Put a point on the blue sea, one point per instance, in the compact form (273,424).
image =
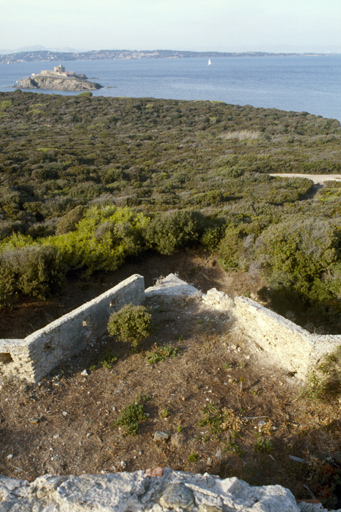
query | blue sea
(309,84)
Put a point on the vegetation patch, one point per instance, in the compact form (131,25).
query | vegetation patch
(263,444)
(131,416)
(105,186)
(161,353)
(108,360)
(193,457)
(219,420)
(324,381)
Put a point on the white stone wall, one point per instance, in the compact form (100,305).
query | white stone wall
(35,356)
(292,347)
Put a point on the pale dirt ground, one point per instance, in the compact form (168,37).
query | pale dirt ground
(67,423)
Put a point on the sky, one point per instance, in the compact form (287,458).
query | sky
(197,25)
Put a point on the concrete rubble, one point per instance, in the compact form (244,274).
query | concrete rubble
(137,492)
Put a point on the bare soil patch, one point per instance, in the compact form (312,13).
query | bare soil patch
(226,409)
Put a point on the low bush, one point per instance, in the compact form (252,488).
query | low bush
(219,420)
(231,247)
(102,239)
(301,262)
(35,271)
(193,457)
(108,360)
(169,232)
(131,324)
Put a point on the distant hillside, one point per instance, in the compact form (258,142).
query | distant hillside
(45,55)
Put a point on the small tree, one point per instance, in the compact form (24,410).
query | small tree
(131,324)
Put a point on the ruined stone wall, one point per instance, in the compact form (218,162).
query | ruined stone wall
(290,346)
(35,356)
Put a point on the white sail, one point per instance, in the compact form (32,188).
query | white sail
(209,62)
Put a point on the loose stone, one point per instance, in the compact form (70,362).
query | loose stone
(161,436)
(218,455)
(177,496)
(154,472)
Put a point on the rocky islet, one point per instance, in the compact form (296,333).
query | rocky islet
(58,79)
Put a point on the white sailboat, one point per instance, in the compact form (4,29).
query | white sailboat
(209,62)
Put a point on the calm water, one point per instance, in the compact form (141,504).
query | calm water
(310,84)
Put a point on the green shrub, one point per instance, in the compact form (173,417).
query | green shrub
(232,446)
(301,262)
(5,104)
(7,228)
(300,249)
(86,191)
(131,324)
(231,247)
(211,238)
(219,420)
(169,232)
(85,94)
(8,282)
(211,198)
(103,238)
(35,271)
(41,229)
(108,360)
(164,413)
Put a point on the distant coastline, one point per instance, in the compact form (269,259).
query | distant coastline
(45,55)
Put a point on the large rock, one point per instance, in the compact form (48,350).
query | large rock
(135,492)
(170,286)
(57,83)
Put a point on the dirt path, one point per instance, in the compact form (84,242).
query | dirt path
(318,179)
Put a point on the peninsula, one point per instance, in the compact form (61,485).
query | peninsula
(59,80)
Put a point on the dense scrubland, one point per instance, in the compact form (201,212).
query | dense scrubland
(87,183)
